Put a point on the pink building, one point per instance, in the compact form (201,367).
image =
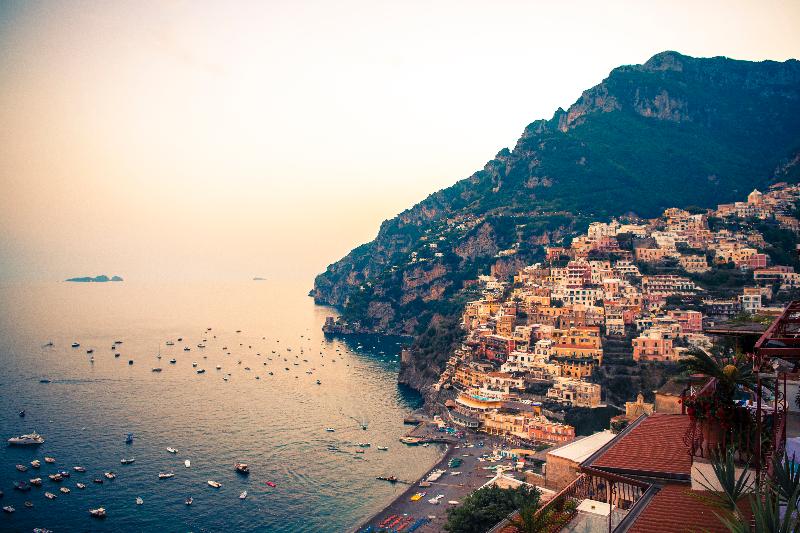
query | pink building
(690,321)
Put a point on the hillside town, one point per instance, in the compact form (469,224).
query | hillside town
(650,289)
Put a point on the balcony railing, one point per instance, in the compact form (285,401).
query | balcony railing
(621,493)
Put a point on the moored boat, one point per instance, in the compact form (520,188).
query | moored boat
(214,484)
(172,450)
(8,509)
(139,500)
(35,463)
(22,468)
(110,475)
(80,485)
(127,461)
(31,439)
(64,490)
(189,500)
(100,512)
(187,463)
(79,469)
(242,468)
(165,475)
(36,482)
(243,495)
(49,495)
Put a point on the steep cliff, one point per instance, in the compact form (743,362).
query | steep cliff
(674,131)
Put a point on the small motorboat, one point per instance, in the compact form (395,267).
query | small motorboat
(172,361)
(243,495)
(80,485)
(22,413)
(383,448)
(242,468)
(44,381)
(127,461)
(90,351)
(364,444)
(188,501)
(110,475)
(98,480)
(49,495)
(270,484)
(187,463)
(28,504)
(219,367)
(64,473)
(359,451)
(22,486)
(214,484)
(130,361)
(36,482)
(224,378)
(31,439)
(156,369)
(8,509)
(56,477)
(165,475)
(319,382)
(76,345)
(139,500)
(180,339)
(186,349)
(201,370)
(64,490)
(201,345)
(172,450)
(79,469)
(22,468)
(194,364)
(117,342)
(35,463)
(170,343)
(98,513)
(390,479)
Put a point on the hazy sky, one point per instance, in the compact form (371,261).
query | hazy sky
(223,140)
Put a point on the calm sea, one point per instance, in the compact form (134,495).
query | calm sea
(275,423)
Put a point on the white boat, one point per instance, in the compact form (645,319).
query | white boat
(201,370)
(243,495)
(214,484)
(219,367)
(80,485)
(127,461)
(31,439)
(186,348)
(201,345)
(383,448)
(8,509)
(330,430)
(157,369)
(172,450)
(76,344)
(165,475)
(49,495)
(187,463)
(110,475)
(35,463)
(170,343)
(100,512)
(139,500)
(64,490)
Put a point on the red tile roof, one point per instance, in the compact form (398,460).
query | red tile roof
(675,509)
(654,446)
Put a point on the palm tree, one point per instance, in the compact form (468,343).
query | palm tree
(731,371)
(529,520)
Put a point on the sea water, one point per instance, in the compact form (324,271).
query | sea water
(276,424)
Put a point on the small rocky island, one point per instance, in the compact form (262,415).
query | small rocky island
(96,279)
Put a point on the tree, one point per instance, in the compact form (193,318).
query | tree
(485,507)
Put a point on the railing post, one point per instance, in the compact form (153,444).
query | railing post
(758,425)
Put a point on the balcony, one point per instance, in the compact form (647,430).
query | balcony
(595,501)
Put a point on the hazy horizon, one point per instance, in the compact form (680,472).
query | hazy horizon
(164,141)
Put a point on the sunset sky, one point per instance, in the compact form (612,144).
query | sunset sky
(222,140)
